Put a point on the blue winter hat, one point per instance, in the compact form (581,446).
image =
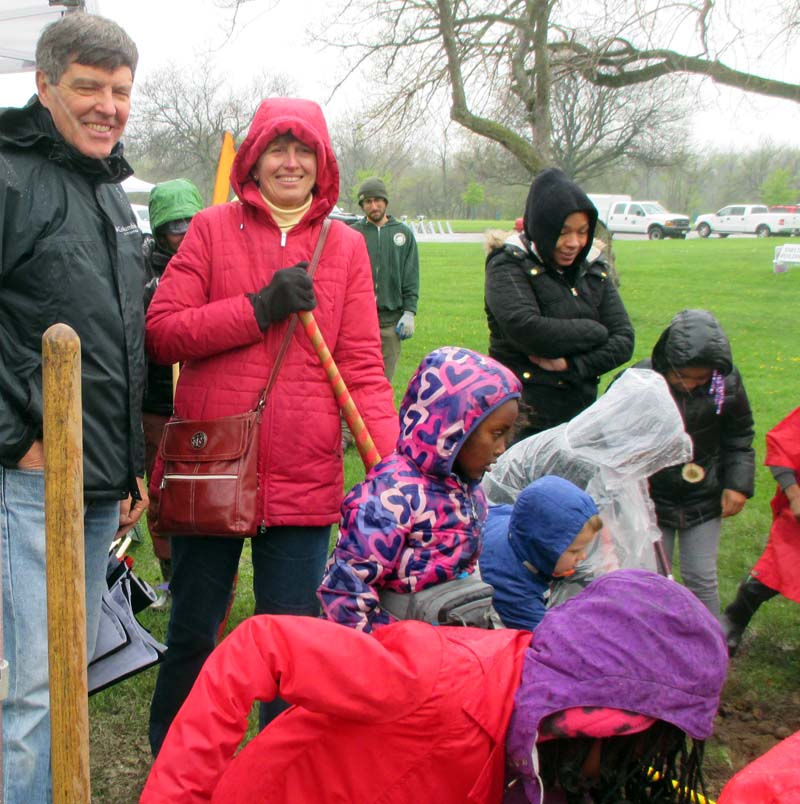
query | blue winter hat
(547,516)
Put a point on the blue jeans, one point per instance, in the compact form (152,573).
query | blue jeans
(26,711)
(288,563)
(698,555)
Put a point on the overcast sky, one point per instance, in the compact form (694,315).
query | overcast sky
(272,37)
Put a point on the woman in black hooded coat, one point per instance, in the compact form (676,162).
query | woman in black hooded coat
(555,318)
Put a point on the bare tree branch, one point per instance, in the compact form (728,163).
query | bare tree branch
(503,66)
(180,116)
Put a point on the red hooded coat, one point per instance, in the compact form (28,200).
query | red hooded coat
(416,713)
(200,316)
(779,565)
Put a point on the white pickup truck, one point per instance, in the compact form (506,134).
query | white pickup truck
(646,217)
(747,219)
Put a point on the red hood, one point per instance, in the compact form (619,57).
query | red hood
(303,119)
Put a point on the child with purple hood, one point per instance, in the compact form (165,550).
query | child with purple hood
(623,677)
(634,659)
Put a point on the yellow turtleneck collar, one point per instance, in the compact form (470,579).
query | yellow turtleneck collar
(287,218)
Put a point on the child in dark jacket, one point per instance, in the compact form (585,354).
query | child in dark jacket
(541,537)
(417,519)
(694,356)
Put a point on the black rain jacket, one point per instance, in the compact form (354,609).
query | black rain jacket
(723,442)
(533,308)
(158,387)
(70,252)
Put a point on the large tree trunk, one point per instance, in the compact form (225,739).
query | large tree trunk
(602,233)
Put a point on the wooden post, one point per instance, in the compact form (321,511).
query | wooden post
(66,591)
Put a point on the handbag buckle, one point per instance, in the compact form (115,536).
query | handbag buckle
(199,440)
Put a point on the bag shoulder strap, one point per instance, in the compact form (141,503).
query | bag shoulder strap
(284,347)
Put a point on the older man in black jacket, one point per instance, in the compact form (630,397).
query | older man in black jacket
(71,253)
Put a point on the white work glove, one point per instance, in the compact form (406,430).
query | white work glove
(405,326)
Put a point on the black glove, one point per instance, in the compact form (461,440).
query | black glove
(290,290)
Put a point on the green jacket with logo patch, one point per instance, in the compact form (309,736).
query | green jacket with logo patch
(395,265)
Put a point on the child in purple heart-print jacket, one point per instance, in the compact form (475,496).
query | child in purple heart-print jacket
(417,519)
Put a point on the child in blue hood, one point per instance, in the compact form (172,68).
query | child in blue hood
(541,537)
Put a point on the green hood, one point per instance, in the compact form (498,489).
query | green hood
(173,200)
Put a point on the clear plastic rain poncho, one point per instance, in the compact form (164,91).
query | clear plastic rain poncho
(610,449)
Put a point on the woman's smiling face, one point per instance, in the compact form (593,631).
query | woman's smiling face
(286,172)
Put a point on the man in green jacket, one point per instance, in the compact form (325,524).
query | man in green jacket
(395,269)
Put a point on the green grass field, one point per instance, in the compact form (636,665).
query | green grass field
(759,310)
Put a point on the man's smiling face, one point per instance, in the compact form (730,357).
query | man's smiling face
(89,106)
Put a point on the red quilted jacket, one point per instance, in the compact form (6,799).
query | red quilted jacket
(201,317)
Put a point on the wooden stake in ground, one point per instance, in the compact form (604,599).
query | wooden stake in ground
(66,591)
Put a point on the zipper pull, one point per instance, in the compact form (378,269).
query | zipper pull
(283,239)
(163,482)
(472,509)
(574,291)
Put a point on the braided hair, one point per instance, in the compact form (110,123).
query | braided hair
(659,764)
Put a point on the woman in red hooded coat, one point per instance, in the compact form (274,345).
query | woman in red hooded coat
(221,310)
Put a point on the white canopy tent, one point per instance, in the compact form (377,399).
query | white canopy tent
(134,185)
(21,22)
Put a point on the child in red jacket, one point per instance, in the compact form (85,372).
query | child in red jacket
(771,779)
(778,569)
(416,713)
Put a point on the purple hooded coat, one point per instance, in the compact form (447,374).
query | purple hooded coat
(662,655)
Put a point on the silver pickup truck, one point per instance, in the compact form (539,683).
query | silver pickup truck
(747,219)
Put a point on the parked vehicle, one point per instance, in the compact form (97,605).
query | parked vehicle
(605,203)
(747,219)
(142,213)
(338,214)
(647,217)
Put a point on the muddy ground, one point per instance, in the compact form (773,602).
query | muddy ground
(745,728)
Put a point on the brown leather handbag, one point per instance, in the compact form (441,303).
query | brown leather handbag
(210,481)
